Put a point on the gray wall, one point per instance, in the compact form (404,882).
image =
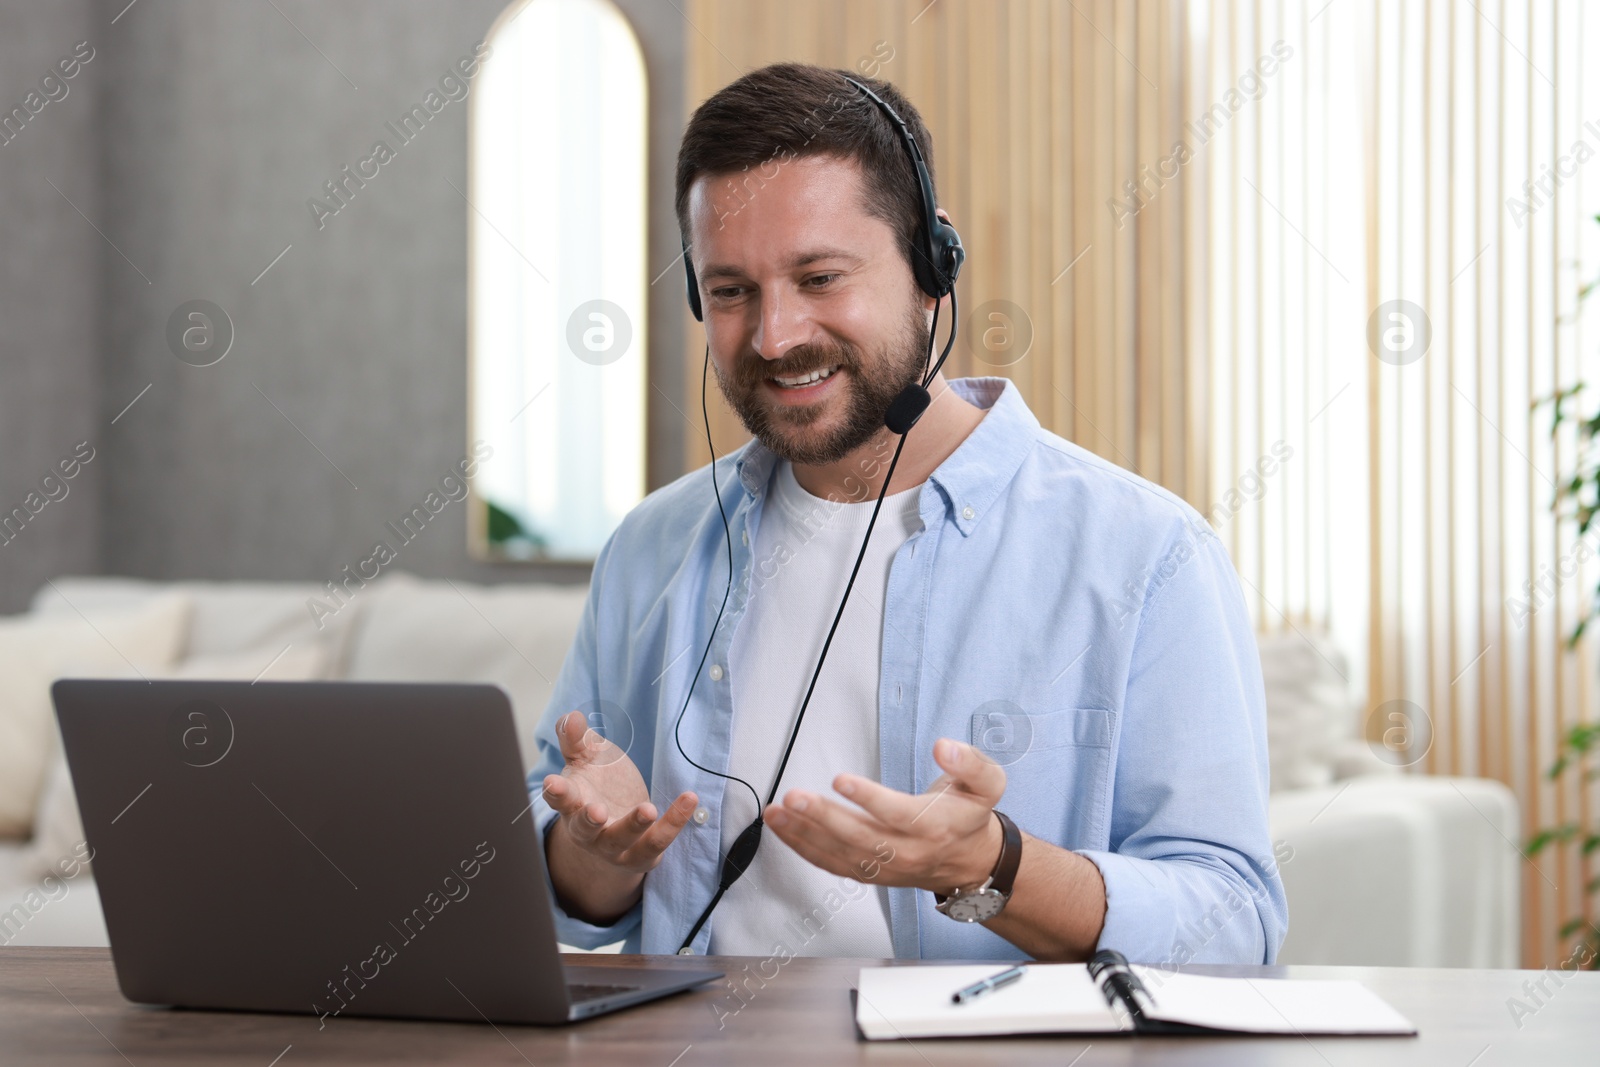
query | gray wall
(343,399)
(50,296)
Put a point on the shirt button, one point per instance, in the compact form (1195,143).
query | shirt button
(700,816)
(716,672)
(967,512)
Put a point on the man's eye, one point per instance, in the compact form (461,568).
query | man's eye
(725,293)
(821,278)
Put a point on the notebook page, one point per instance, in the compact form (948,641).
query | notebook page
(895,1002)
(1271,1005)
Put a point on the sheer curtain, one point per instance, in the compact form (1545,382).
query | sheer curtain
(1389,295)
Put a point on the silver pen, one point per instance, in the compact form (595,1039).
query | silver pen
(994,981)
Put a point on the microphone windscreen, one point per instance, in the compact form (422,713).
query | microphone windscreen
(907,408)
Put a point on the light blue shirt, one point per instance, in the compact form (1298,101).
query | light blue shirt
(1081,624)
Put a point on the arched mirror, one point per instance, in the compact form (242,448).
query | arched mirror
(557,280)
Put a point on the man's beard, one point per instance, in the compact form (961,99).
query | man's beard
(869,389)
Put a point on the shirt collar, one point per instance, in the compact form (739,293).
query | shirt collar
(972,478)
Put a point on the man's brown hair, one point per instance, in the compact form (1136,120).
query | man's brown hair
(771,116)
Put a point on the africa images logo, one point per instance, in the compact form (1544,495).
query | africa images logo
(454,85)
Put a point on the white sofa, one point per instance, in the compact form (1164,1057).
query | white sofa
(1380,867)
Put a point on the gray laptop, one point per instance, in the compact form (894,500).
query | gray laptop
(337,848)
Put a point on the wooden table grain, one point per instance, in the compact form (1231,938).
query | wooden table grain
(61,1006)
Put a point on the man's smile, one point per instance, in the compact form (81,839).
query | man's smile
(805,379)
(805,388)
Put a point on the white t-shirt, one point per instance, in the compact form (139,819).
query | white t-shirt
(805,549)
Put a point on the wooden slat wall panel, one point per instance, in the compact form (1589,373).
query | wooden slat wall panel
(1063,161)
(1040,112)
(1115,392)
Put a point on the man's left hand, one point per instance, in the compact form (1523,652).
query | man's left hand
(940,840)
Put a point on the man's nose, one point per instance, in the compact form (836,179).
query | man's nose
(783,323)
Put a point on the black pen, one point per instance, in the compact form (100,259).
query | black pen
(995,981)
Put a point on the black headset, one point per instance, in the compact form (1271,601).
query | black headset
(936,260)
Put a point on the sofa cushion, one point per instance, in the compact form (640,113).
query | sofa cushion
(516,635)
(34,652)
(1310,715)
(229,617)
(1406,870)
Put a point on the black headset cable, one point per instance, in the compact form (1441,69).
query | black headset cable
(741,854)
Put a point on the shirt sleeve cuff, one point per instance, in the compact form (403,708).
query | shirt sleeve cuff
(571,931)
(1140,921)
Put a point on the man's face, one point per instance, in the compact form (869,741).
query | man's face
(795,278)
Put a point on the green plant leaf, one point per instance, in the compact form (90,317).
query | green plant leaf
(503,525)
(1575,746)
(1544,838)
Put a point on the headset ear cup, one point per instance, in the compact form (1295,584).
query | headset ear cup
(939,263)
(927,273)
(958,256)
(951,254)
(693,286)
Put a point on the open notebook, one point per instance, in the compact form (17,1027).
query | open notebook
(1109,996)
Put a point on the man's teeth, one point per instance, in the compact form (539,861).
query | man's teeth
(805,379)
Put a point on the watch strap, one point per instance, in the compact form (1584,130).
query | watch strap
(1004,875)
(1004,878)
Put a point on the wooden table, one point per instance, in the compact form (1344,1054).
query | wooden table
(62,1006)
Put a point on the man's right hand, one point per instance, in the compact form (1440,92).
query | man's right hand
(609,833)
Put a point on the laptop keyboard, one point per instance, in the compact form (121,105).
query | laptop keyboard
(581,991)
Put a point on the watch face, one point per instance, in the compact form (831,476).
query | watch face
(975,907)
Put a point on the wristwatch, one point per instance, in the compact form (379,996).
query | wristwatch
(989,899)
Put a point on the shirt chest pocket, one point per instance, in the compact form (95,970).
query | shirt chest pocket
(1058,769)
